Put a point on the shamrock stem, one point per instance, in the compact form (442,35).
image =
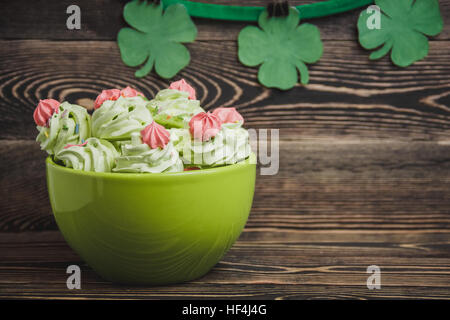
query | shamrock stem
(304,74)
(381,52)
(142,72)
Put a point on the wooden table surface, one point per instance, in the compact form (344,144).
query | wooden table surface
(364,160)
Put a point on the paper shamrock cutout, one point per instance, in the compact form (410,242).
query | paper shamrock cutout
(156,38)
(403,26)
(281,47)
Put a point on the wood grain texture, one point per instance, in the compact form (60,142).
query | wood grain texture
(347,94)
(102,20)
(335,207)
(310,267)
(322,184)
(364,161)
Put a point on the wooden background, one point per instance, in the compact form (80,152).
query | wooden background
(364,172)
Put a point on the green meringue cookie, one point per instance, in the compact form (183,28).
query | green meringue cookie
(172,108)
(180,137)
(70,125)
(117,120)
(96,155)
(229,146)
(139,157)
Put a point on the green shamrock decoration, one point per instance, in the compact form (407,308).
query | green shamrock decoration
(281,47)
(156,38)
(403,26)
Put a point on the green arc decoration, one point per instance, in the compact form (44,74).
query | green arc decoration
(243,13)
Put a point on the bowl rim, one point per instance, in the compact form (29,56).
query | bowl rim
(250,161)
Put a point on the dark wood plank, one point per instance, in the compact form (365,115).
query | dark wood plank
(347,95)
(102,19)
(364,161)
(323,185)
(34,266)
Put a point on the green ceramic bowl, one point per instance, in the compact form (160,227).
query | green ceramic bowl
(152,228)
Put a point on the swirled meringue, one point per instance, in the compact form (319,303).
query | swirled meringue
(93,155)
(71,124)
(116,120)
(172,108)
(137,156)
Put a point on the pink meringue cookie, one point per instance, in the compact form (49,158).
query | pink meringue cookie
(155,135)
(203,126)
(44,111)
(130,92)
(228,115)
(182,85)
(110,94)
